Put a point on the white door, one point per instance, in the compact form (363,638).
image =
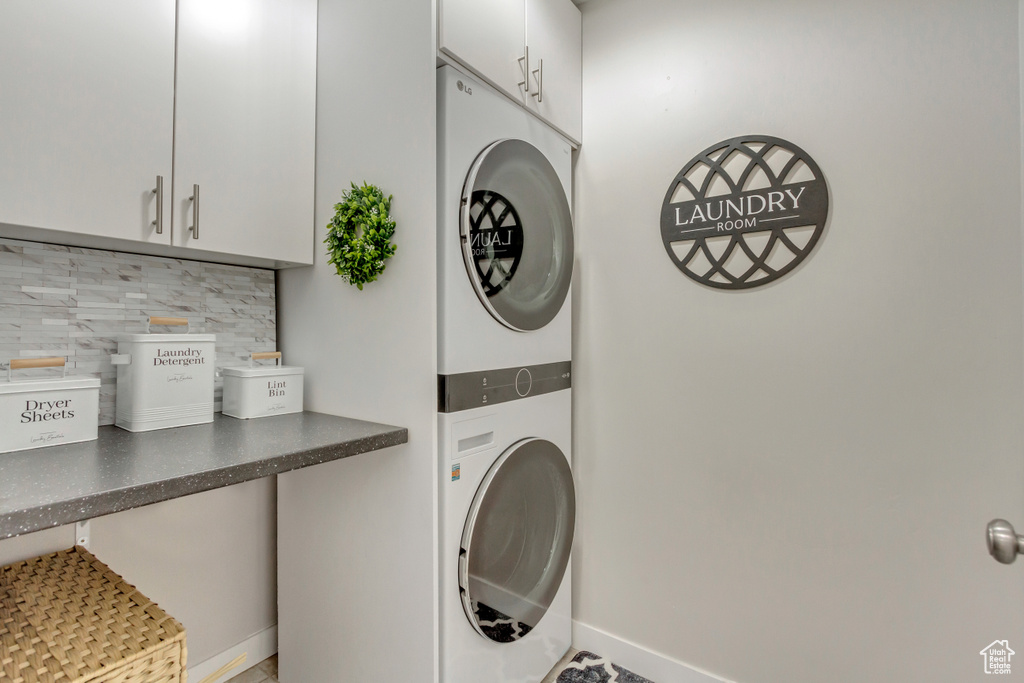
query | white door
(516,542)
(516,234)
(245,127)
(555,37)
(487,37)
(86,115)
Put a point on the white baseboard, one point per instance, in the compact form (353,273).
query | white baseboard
(639,660)
(257,648)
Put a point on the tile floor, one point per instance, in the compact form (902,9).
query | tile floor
(576,667)
(264,672)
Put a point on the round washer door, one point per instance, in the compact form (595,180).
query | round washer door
(516,543)
(516,233)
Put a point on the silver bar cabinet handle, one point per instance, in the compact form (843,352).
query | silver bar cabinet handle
(538,73)
(194,228)
(524,63)
(159,192)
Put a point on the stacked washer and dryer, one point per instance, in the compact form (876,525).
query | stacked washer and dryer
(506,498)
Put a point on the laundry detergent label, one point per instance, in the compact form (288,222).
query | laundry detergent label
(456,472)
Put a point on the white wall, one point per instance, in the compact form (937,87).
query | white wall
(358,585)
(208,559)
(792,483)
(40,543)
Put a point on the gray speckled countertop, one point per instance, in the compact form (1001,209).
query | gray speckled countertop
(46,487)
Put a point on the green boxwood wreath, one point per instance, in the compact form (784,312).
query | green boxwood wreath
(359,236)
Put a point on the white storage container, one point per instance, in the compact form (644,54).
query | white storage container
(164,380)
(47,412)
(262,391)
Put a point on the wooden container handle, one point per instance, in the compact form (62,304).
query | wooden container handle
(27,363)
(237,661)
(266,355)
(161,320)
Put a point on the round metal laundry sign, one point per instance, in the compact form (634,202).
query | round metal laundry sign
(744,212)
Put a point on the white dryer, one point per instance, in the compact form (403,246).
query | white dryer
(507,515)
(505,237)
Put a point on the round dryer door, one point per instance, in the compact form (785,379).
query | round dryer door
(517,235)
(515,547)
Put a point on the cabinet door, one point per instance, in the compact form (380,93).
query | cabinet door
(245,123)
(554,35)
(488,37)
(86,115)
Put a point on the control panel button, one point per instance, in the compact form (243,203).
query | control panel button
(524,382)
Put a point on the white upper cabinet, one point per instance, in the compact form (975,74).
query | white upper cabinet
(99,98)
(488,37)
(554,35)
(86,115)
(530,49)
(245,127)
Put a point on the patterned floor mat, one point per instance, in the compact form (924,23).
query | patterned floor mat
(586,667)
(497,626)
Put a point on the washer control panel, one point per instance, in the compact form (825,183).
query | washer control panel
(475,389)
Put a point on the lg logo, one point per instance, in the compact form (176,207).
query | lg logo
(464,88)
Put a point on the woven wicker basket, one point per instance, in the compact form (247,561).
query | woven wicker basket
(68,618)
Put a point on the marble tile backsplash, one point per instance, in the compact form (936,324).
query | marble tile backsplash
(68,301)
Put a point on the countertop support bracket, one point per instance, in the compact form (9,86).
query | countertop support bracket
(82,536)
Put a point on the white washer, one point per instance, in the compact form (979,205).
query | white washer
(507,513)
(505,241)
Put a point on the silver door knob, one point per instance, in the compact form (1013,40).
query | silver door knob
(1003,542)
